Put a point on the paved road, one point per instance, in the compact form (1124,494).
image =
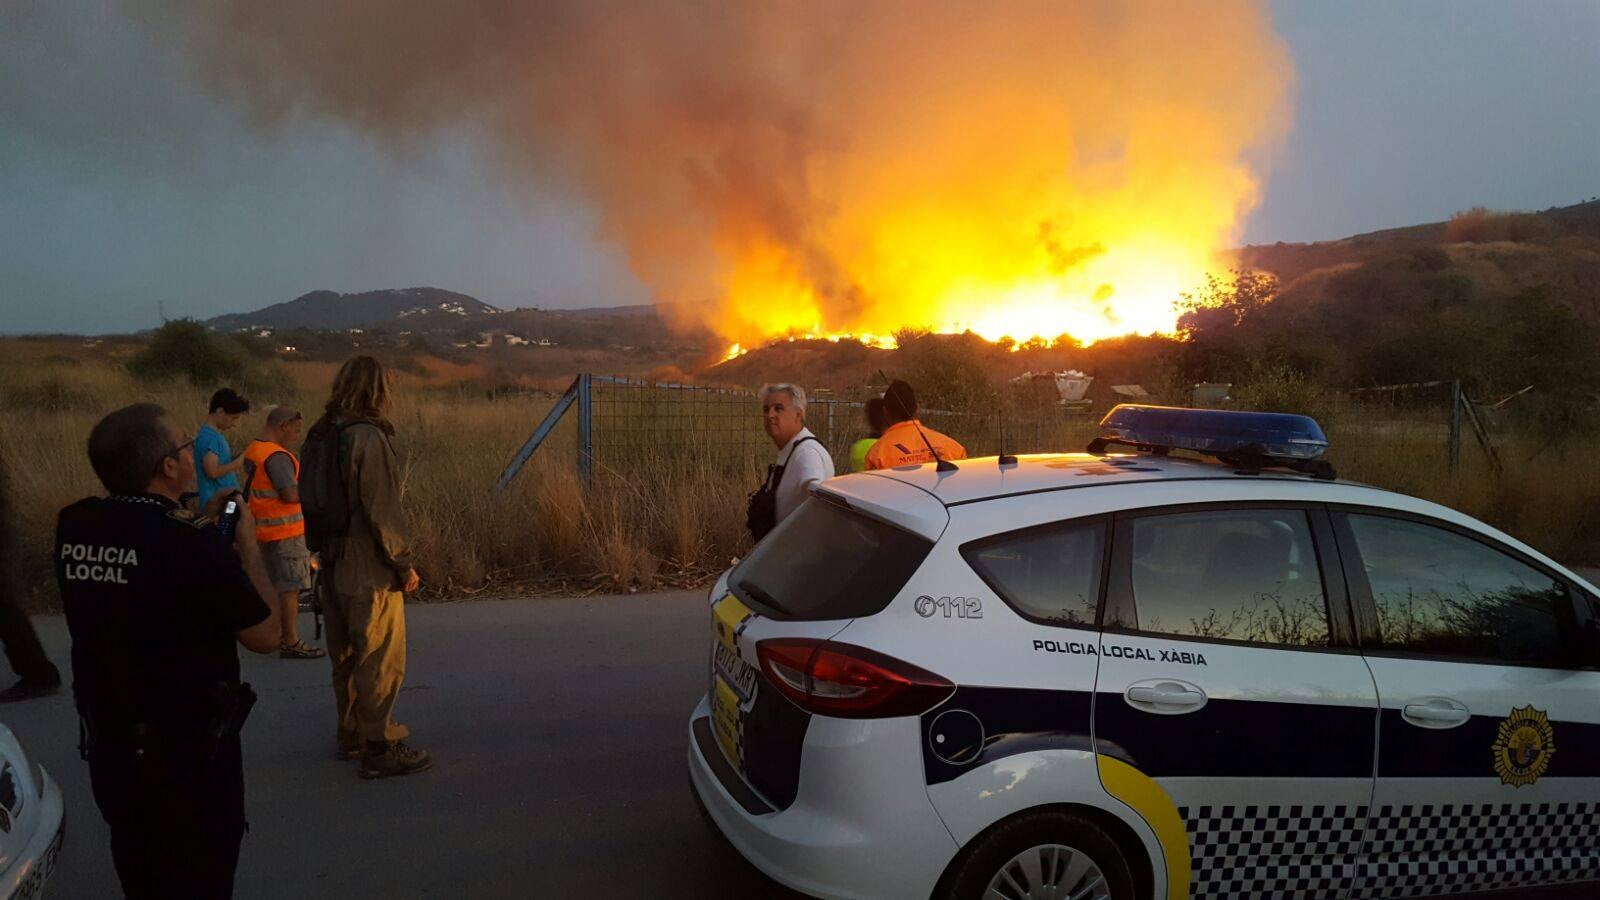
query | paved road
(559,726)
(560,732)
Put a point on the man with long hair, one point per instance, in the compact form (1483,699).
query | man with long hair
(368,573)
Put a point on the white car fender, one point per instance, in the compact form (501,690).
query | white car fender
(1014,784)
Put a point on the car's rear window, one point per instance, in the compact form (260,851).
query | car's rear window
(826,561)
(1049,574)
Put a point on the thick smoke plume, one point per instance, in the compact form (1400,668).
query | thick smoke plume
(816,166)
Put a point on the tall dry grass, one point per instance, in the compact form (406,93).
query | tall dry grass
(663,514)
(667,522)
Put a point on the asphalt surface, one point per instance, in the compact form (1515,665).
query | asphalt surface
(560,732)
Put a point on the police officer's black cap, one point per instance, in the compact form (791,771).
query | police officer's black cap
(229,401)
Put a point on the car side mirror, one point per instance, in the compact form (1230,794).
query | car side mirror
(1591,642)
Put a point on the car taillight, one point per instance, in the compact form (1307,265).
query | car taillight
(847,681)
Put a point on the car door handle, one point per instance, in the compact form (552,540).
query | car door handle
(1437,712)
(1167,697)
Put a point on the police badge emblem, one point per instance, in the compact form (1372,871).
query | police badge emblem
(1523,746)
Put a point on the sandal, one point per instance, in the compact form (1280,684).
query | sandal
(300,650)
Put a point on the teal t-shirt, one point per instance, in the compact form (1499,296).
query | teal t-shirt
(210,440)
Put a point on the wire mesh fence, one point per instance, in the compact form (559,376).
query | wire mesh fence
(632,429)
(638,422)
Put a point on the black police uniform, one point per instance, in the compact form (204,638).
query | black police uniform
(153,599)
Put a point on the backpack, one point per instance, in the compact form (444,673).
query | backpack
(324,496)
(761,509)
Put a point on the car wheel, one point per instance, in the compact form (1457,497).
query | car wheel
(1054,855)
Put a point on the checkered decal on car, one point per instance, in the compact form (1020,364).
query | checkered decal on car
(1307,852)
(1296,852)
(1424,850)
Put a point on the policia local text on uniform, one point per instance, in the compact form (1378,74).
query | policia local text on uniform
(156,599)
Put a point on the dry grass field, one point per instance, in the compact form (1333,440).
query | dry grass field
(640,528)
(648,519)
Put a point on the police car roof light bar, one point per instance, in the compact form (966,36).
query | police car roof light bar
(1252,441)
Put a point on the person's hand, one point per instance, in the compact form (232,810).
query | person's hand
(410,581)
(213,507)
(244,531)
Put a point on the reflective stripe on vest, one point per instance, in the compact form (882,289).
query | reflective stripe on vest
(276,520)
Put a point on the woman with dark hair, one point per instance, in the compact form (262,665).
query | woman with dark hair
(877,421)
(368,569)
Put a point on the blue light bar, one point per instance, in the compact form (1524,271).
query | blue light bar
(1227,434)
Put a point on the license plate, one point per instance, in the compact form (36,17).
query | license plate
(33,884)
(733,681)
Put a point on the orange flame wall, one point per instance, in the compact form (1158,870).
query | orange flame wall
(826,167)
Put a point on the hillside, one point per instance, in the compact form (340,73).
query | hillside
(416,309)
(1498,300)
(1491,298)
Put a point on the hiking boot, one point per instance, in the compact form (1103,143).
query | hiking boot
(27,690)
(383,759)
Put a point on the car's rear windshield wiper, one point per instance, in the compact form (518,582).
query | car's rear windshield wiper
(761,596)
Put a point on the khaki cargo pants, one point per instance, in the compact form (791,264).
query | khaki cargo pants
(367,647)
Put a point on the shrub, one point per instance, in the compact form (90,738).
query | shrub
(1273,388)
(1478,225)
(183,348)
(1430,257)
(947,371)
(1448,288)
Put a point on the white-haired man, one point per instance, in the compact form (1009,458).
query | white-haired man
(802,460)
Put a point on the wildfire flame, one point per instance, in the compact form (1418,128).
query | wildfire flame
(829,167)
(1052,193)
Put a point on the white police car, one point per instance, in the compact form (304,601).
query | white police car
(32,822)
(1137,675)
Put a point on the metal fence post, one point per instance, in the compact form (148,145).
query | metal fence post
(585,428)
(539,434)
(1455,426)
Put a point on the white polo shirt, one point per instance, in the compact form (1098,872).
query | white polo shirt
(804,466)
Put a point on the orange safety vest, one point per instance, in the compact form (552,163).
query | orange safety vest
(902,446)
(276,519)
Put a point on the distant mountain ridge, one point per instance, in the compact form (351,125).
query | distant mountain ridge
(424,307)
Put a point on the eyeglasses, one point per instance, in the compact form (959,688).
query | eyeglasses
(176,452)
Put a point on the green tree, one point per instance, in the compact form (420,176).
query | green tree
(1223,304)
(1214,346)
(184,348)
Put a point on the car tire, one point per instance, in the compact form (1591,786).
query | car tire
(981,861)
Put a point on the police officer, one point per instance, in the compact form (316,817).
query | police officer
(155,599)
